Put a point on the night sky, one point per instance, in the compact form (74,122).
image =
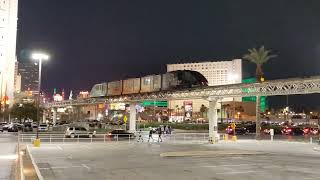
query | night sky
(92,41)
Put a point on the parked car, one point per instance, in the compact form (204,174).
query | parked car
(310,131)
(5,127)
(292,131)
(43,127)
(238,130)
(251,128)
(73,132)
(120,133)
(27,127)
(15,127)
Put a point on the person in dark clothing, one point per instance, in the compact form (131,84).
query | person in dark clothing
(160,134)
(150,135)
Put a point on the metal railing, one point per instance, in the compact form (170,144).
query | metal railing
(48,138)
(104,138)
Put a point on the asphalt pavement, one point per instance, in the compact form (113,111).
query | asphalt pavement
(243,160)
(8,156)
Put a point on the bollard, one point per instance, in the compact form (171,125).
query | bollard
(271,134)
(234,138)
(36,142)
(226,137)
(311,140)
(104,138)
(50,139)
(129,138)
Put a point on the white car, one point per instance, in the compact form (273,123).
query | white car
(43,127)
(73,132)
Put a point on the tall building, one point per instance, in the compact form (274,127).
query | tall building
(216,72)
(8,35)
(29,73)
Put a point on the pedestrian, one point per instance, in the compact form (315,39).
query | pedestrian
(150,135)
(170,129)
(162,129)
(166,129)
(160,133)
(140,136)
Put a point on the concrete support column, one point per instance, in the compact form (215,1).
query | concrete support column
(213,121)
(44,117)
(54,117)
(258,123)
(133,117)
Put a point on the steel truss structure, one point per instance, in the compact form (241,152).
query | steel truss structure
(292,86)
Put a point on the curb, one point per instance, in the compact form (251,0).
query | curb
(35,165)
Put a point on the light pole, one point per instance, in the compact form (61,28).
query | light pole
(39,57)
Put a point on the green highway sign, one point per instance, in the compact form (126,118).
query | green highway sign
(155,103)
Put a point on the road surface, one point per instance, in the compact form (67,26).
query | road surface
(8,156)
(244,160)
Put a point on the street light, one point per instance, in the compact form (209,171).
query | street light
(39,57)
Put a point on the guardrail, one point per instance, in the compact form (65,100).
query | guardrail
(172,138)
(104,138)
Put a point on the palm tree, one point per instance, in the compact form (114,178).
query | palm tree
(259,57)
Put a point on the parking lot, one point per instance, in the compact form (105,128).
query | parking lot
(135,161)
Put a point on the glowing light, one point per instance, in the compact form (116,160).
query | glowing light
(39,56)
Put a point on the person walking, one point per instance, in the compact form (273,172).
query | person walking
(140,136)
(160,133)
(150,135)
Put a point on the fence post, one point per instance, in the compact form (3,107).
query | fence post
(50,138)
(117,137)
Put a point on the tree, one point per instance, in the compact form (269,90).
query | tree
(203,109)
(259,57)
(24,111)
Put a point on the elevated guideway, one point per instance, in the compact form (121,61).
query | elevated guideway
(268,88)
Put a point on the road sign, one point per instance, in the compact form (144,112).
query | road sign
(125,119)
(233,126)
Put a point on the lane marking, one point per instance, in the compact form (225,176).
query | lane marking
(85,166)
(59,147)
(40,177)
